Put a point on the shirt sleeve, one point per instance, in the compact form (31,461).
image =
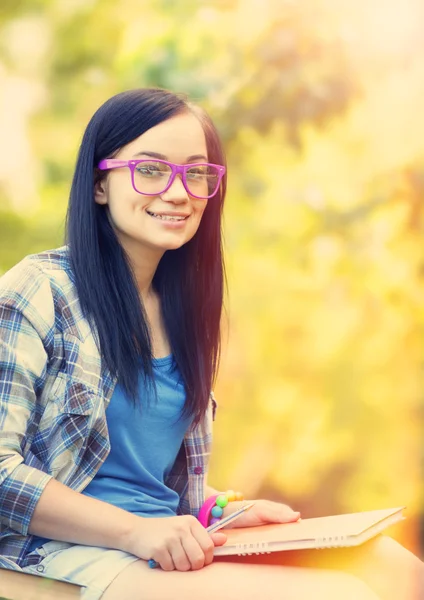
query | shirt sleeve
(26,309)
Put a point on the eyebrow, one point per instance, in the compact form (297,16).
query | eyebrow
(163,157)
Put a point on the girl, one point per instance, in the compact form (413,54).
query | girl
(109,348)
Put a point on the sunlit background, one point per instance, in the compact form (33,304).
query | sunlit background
(320,104)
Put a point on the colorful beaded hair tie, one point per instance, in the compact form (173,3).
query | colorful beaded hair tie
(213,509)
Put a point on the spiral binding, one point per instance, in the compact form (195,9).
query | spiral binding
(336,541)
(244,549)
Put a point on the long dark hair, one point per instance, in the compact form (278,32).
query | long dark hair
(189,280)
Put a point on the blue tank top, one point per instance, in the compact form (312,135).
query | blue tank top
(145,440)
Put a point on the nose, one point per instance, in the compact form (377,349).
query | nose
(176,192)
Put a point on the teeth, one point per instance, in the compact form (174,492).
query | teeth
(166,217)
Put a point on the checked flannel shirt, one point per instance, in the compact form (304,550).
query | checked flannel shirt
(54,391)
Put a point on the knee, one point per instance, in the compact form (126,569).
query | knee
(384,543)
(386,548)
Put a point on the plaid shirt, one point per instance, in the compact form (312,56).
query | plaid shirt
(54,391)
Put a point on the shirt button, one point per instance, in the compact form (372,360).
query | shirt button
(40,569)
(198,470)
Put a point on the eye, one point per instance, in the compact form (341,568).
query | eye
(152,169)
(203,174)
(197,172)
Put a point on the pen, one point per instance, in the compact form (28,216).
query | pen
(218,525)
(229,518)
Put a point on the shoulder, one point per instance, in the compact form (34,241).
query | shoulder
(37,283)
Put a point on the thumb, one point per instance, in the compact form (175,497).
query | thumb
(219,539)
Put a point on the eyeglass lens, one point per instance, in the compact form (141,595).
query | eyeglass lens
(151,177)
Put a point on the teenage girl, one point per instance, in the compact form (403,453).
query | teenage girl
(109,348)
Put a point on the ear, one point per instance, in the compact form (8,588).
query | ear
(100,192)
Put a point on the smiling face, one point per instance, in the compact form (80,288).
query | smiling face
(141,222)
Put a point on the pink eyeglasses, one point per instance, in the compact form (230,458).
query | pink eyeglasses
(152,177)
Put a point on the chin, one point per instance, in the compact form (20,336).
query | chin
(174,246)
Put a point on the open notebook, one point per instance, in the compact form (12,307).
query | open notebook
(322,532)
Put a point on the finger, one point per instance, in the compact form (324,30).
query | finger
(164,559)
(287,514)
(218,538)
(207,541)
(195,553)
(275,512)
(179,556)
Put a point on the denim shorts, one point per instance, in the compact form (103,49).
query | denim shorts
(89,566)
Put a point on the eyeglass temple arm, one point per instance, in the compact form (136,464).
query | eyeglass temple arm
(110,163)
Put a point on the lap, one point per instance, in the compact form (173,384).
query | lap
(388,568)
(381,565)
(342,573)
(227,580)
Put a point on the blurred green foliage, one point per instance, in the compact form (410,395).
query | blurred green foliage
(319,106)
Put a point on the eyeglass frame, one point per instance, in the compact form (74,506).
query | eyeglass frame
(114,163)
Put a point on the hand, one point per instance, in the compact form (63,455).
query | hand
(176,543)
(263,512)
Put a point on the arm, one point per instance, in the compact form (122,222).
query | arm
(31,501)
(23,360)
(65,515)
